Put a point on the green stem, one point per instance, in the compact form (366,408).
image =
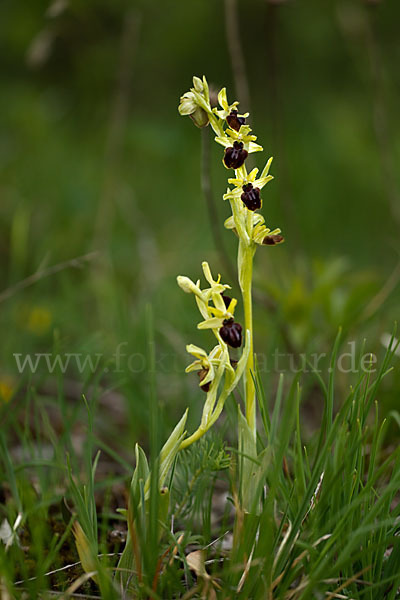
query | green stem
(193,438)
(246,269)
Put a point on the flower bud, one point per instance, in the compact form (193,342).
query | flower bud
(231,333)
(251,197)
(188,106)
(186,284)
(200,117)
(235,156)
(198,84)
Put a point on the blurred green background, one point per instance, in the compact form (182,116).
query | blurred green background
(95,158)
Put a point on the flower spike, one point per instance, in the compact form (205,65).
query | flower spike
(244,193)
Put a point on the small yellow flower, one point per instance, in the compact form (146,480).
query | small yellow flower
(218,313)
(259,231)
(204,362)
(226,107)
(245,178)
(262,235)
(39,320)
(203,297)
(223,307)
(7,389)
(243,136)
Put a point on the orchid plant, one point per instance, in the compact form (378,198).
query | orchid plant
(244,195)
(219,374)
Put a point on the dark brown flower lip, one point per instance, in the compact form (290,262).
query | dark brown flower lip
(251,197)
(273,240)
(234,121)
(228,322)
(231,333)
(235,155)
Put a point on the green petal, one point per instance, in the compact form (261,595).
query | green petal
(229,223)
(218,302)
(212,323)
(194,366)
(222,99)
(258,219)
(263,181)
(252,147)
(207,272)
(253,174)
(223,140)
(267,167)
(238,182)
(196,351)
(206,90)
(232,306)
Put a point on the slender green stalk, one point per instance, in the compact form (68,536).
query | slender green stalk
(250,402)
(192,438)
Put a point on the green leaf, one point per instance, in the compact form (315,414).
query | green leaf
(141,470)
(252,468)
